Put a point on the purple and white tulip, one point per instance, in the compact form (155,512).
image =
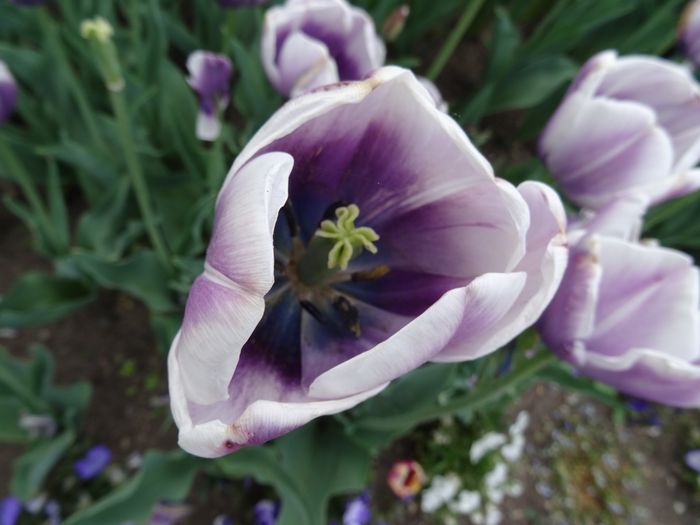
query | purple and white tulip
(8,92)
(311,43)
(210,76)
(628,125)
(301,313)
(628,313)
(689,32)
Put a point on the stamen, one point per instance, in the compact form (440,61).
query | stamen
(349,239)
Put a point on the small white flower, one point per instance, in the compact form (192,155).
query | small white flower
(467,502)
(514,490)
(496,495)
(521,423)
(493,515)
(513,450)
(115,474)
(485,444)
(496,477)
(477,518)
(442,489)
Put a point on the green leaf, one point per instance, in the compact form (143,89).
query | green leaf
(38,298)
(57,211)
(164,475)
(265,465)
(142,275)
(10,413)
(504,43)
(324,463)
(30,469)
(531,82)
(560,373)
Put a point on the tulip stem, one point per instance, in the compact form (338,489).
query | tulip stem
(490,392)
(454,38)
(54,43)
(137,178)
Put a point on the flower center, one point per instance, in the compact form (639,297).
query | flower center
(334,245)
(315,272)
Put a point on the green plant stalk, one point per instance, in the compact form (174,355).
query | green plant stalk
(137,178)
(476,399)
(454,38)
(54,43)
(228,30)
(21,177)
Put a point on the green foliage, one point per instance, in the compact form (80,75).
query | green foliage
(163,476)
(306,467)
(38,298)
(26,388)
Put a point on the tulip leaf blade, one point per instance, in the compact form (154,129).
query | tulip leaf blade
(38,298)
(164,475)
(263,464)
(30,469)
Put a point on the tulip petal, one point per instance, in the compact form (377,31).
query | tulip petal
(476,306)
(219,319)
(599,147)
(648,298)
(670,90)
(228,426)
(543,264)
(307,62)
(347,33)
(570,316)
(246,213)
(646,373)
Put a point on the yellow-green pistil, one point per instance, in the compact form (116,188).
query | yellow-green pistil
(348,238)
(334,245)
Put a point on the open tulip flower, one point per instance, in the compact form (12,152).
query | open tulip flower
(357,236)
(628,313)
(311,43)
(627,125)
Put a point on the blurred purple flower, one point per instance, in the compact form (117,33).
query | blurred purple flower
(357,511)
(94,462)
(240,3)
(10,509)
(8,92)
(266,512)
(689,32)
(277,332)
(692,459)
(628,313)
(210,76)
(168,513)
(628,125)
(311,43)
(53,512)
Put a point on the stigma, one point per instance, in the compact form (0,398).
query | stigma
(348,239)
